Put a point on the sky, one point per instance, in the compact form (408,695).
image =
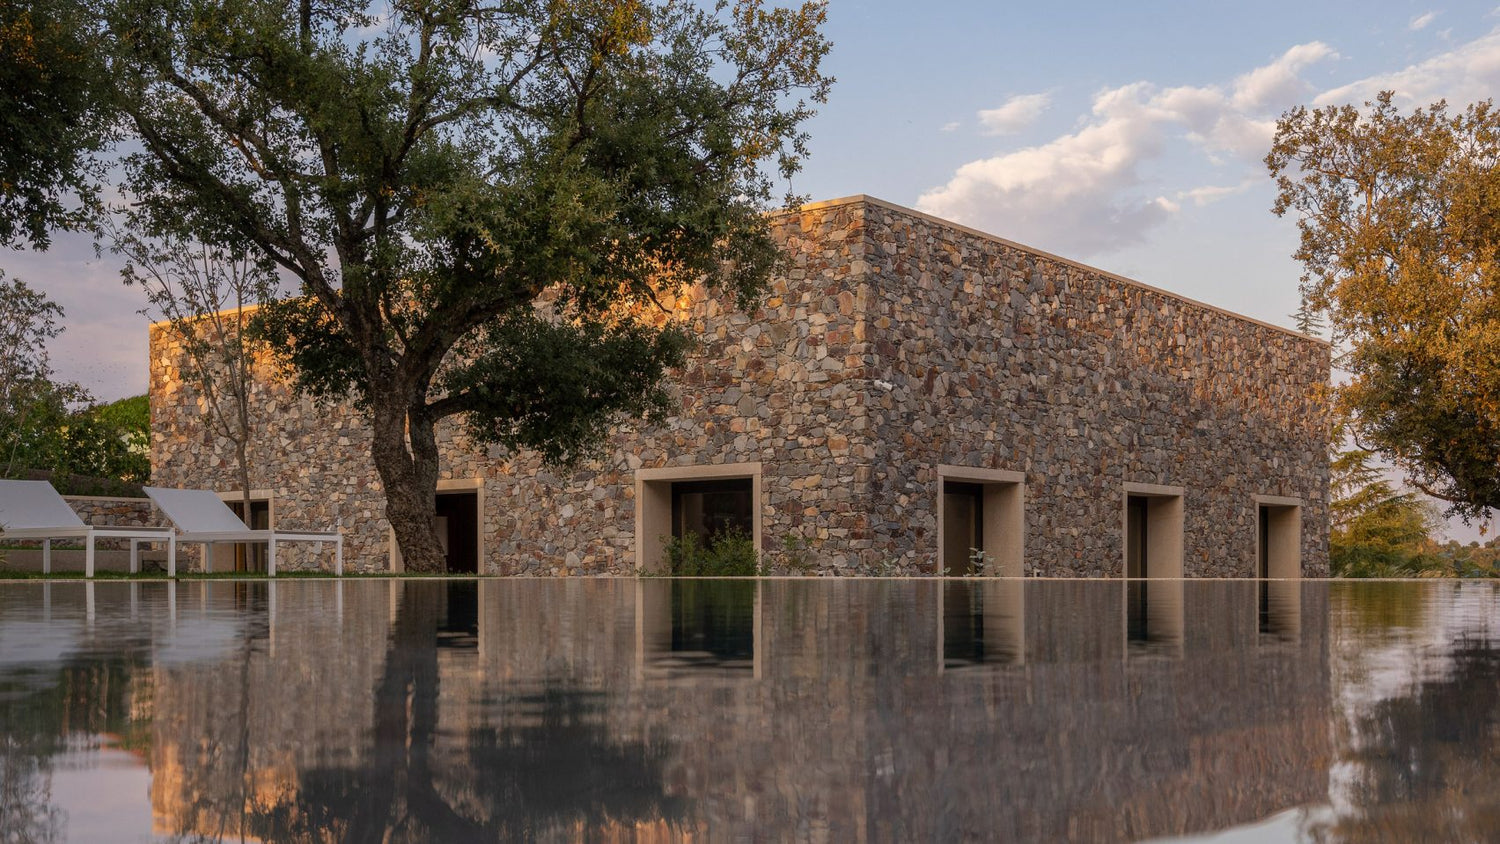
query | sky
(1128,136)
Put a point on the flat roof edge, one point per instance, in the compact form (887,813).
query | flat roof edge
(865,199)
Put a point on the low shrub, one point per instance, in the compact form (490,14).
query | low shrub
(728,554)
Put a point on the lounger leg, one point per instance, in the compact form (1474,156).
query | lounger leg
(172,555)
(88,557)
(271,557)
(46,556)
(135,556)
(338,556)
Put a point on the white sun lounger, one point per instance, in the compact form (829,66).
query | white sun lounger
(201,516)
(33,510)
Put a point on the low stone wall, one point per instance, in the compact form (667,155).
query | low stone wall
(115,512)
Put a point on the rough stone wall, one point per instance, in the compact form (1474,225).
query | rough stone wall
(783,386)
(991,355)
(115,512)
(894,343)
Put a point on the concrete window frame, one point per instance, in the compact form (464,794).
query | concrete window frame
(1164,529)
(1284,528)
(474,485)
(1004,516)
(653,506)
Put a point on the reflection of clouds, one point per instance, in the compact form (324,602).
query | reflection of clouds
(200,639)
(28,643)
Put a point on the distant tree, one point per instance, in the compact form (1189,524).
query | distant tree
(206,295)
(1400,241)
(484,203)
(1374,528)
(53,118)
(31,404)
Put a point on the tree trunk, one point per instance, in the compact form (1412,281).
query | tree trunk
(242,454)
(410,479)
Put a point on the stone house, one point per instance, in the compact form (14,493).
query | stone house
(913,396)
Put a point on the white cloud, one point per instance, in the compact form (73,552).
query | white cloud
(1421,21)
(1209,194)
(1083,193)
(1278,82)
(1467,73)
(1095,189)
(951,126)
(1016,114)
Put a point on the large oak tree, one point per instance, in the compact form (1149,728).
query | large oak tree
(483,202)
(1400,239)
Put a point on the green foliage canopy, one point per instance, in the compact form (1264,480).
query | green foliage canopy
(54,116)
(484,203)
(1400,240)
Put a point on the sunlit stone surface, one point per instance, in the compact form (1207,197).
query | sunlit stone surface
(659,710)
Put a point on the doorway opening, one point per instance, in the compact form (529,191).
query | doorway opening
(248,556)
(1153,532)
(712,510)
(704,503)
(981,522)
(1278,540)
(457,526)
(963,528)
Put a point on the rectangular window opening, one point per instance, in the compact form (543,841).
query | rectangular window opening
(707,503)
(249,557)
(1153,534)
(1278,565)
(981,522)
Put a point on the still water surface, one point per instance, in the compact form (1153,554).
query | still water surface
(617,710)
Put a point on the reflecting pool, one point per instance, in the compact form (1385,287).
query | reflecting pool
(738,710)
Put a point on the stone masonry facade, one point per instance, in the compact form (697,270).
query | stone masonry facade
(894,343)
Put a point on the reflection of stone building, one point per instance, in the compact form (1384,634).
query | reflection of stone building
(614,710)
(911,390)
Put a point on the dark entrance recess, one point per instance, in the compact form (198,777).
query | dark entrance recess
(963,526)
(1135,568)
(458,529)
(252,556)
(460,623)
(710,509)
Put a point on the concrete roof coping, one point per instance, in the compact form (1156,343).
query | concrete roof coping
(865,199)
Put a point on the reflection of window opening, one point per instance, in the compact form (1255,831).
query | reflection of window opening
(983,624)
(460,625)
(1153,617)
(456,521)
(251,556)
(712,509)
(963,625)
(713,627)
(1136,611)
(963,526)
(1280,610)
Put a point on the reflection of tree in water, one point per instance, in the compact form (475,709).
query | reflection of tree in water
(1424,763)
(552,766)
(40,716)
